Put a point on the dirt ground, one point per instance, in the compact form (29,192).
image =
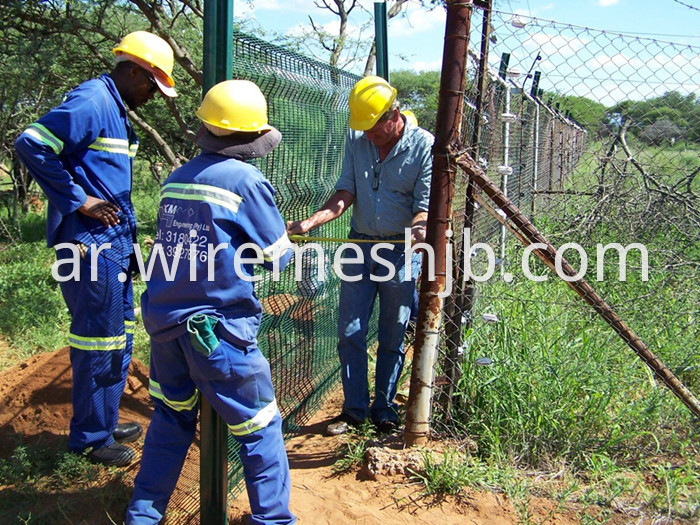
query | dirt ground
(35,400)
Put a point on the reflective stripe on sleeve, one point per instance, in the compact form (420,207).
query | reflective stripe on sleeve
(120,146)
(179,406)
(204,193)
(117,342)
(260,420)
(43,135)
(129,326)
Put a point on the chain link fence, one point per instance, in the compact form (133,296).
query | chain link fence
(593,137)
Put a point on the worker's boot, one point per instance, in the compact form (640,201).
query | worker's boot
(116,455)
(127,432)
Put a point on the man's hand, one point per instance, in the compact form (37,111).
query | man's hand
(420,222)
(334,207)
(296,227)
(100,210)
(417,234)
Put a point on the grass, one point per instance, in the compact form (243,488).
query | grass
(34,475)
(564,393)
(35,318)
(355,445)
(565,410)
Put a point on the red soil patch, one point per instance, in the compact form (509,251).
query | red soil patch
(35,400)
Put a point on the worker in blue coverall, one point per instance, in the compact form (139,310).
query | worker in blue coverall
(81,154)
(386,179)
(217,220)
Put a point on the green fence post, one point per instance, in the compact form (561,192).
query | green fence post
(213,459)
(380,38)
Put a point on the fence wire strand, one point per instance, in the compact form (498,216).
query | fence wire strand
(593,136)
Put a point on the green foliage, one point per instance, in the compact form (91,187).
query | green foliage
(44,486)
(554,389)
(34,314)
(588,113)
(35,464)
(355,445)
(680,113)
(451,474)
(419,93)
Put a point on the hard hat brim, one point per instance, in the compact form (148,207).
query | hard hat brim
(165,83)
(361,125)
(241,145)
(168,91)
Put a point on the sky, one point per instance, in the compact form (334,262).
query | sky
(567,50)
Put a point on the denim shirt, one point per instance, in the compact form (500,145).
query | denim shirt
(388,193)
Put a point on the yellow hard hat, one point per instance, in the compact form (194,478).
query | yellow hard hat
(369,99)
(152,53)
(234,105)
(410,116)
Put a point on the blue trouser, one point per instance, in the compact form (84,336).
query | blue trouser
(101,339)
(237,384)
(356,305)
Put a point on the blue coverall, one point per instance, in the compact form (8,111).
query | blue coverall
(203,320)
(85,146)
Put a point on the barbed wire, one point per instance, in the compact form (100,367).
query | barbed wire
(687,5)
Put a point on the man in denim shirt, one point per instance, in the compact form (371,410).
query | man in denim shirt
(386,178)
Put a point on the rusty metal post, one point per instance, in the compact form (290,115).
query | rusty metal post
(460,303)
(449,119)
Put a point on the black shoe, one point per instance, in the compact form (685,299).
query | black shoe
(116,455)
(341,424)
(386,426)
(127,432)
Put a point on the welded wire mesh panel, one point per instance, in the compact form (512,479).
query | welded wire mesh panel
(594,138)
(307,102)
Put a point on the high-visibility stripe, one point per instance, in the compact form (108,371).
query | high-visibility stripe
(129,326)
(204,193)
(260,420)
(44,136)
(80,342)
(132,150)
(179,406)
(120,146)
(277,249)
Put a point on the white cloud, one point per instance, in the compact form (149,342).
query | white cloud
(416,20)
(303,6)
(536,12)
(426,66)
(614,62)
(607,3)
(550,45)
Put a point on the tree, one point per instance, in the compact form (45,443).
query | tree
(419,92)
(683,111)
(343,45)
(50,46)
(663,130)
(586,112)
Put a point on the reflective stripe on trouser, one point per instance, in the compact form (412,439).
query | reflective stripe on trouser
(101,338)
(357,300)
(238,385)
